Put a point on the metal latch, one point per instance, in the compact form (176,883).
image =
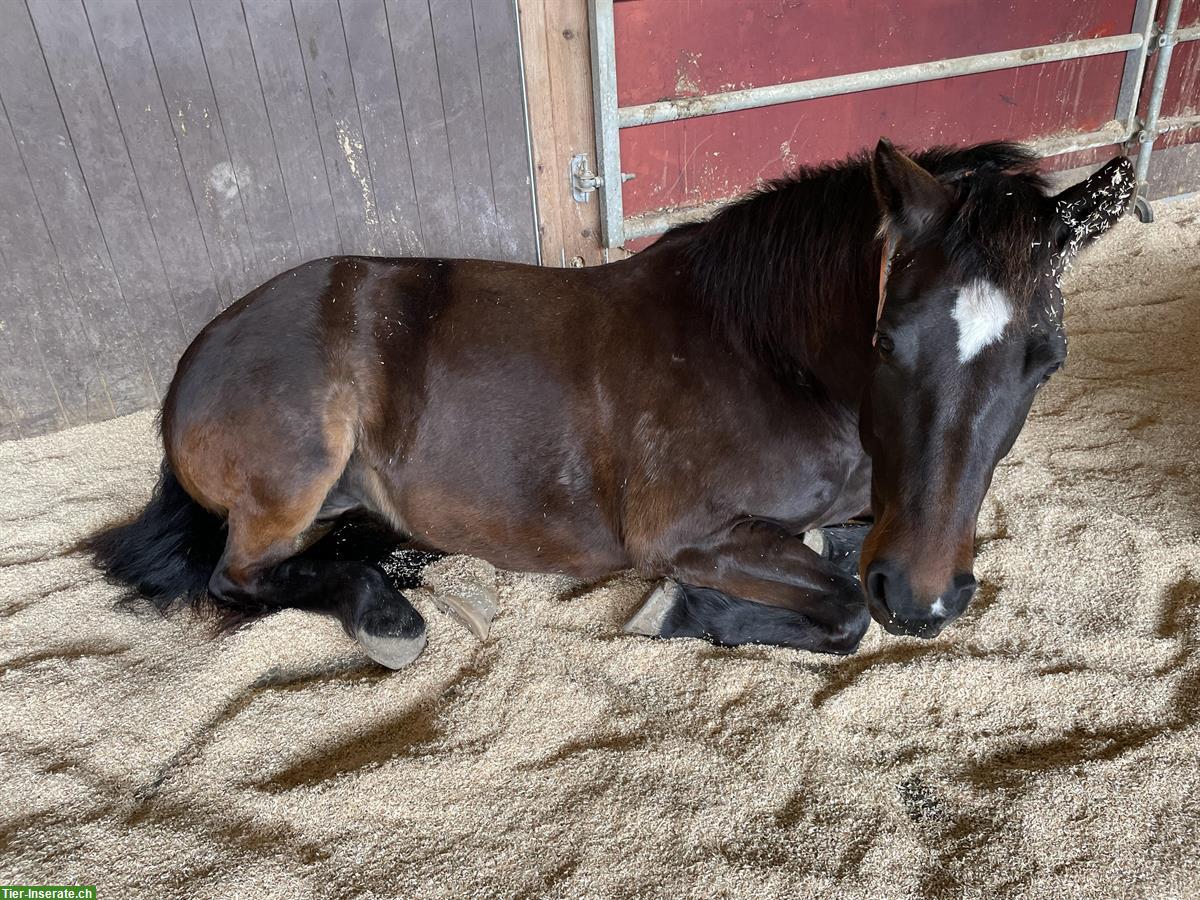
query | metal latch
(584,181)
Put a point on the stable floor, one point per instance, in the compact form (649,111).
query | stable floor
(1047,745)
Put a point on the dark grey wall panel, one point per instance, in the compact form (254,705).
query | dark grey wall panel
(69,215)
(411,30)
(369,45)
(305,170)
(26,376)
(124,232)
(257,175)
(326,60)
(10,414)
(183,77)
(507,136)
(145,122)
(38,314)
(159,158)
(32,398)
(466,126)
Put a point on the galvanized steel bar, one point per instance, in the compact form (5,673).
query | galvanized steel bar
(1135,64)
(1162,68)
(608,130)
(1177,123)
(770,95)
(609,119)
(1114,132)
(654,223)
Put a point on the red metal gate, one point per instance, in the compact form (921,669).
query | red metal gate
(671,49)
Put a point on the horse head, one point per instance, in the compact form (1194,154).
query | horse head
(970,325)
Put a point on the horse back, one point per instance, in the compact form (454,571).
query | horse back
(543,419)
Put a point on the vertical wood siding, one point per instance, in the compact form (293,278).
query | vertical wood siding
(160,158)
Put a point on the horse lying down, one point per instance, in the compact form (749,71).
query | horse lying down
(857,340)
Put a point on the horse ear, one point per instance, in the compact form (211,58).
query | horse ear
(1090,208)
(909,196)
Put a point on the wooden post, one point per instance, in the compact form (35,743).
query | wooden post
(558,84)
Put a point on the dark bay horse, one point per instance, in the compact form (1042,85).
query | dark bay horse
(859,339)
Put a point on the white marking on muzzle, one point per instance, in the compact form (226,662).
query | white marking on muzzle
(939,608)
(982,312)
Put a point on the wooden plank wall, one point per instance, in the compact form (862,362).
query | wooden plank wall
(159,158)
(558,72)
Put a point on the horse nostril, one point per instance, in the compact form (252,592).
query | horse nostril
(877,585)
(967,585)
(888,590)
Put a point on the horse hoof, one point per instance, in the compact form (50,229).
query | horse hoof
(649,618)
(389,630)
(815,541)
(474,605)
(391,651)
(839,544)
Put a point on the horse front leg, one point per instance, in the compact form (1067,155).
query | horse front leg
(758,584)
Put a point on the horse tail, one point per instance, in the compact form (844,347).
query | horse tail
(166,553)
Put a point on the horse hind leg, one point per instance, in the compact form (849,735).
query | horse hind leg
(261,570)
(276,471)
(364,537)
(358,594)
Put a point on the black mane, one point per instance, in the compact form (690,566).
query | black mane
(782,267)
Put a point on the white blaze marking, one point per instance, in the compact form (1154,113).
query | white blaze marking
(982,312)
(938,608)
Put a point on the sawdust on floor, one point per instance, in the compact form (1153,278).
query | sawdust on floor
(1047,745)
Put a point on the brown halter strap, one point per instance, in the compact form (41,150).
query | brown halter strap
(885,267)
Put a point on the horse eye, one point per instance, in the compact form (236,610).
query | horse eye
(1050,371)
(884,343)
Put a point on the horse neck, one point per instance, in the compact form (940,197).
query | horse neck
(793,276)
(838,353)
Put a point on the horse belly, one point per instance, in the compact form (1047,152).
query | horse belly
(510,476)
(524,527)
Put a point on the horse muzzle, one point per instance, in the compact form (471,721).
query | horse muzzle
(895,606)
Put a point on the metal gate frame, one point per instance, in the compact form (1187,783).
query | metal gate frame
(1126,126)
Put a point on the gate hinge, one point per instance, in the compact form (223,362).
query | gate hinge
(584,181)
